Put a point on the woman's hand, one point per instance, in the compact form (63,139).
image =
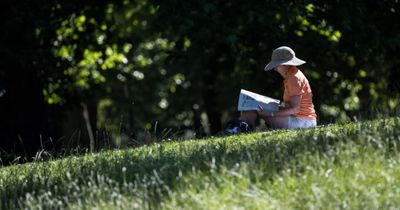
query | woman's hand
(263,113)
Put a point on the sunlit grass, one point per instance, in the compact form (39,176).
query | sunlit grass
(353,165)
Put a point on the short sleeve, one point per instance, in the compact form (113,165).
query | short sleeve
(294,87)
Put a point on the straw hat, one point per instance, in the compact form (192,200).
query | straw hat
(283,56)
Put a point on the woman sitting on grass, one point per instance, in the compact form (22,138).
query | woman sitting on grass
(298,110)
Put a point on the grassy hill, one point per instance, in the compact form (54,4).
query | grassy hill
(354,166)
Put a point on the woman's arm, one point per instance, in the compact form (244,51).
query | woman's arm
(292,108)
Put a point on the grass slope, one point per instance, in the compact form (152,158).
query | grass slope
(355,165)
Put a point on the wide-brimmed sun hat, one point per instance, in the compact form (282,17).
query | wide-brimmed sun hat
(283,56)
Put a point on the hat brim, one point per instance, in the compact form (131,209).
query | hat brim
(292,62)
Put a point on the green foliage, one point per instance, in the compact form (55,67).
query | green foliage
(182,64)
(353,165)
(226,55)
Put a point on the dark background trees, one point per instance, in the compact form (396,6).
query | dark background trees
(150,69)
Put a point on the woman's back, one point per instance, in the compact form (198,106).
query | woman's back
(297,84)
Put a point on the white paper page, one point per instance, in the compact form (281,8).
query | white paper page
(251,101)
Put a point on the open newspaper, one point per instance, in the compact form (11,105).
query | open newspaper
(252,101)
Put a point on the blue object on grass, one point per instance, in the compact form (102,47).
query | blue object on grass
(237,126)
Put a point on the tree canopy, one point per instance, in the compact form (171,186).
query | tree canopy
(143,66)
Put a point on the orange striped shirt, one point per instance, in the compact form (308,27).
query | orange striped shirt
(297,84)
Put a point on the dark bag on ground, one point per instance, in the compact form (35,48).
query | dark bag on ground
(237,126)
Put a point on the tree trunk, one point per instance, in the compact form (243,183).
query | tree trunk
(210,95)
(89,114)
(197,125)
